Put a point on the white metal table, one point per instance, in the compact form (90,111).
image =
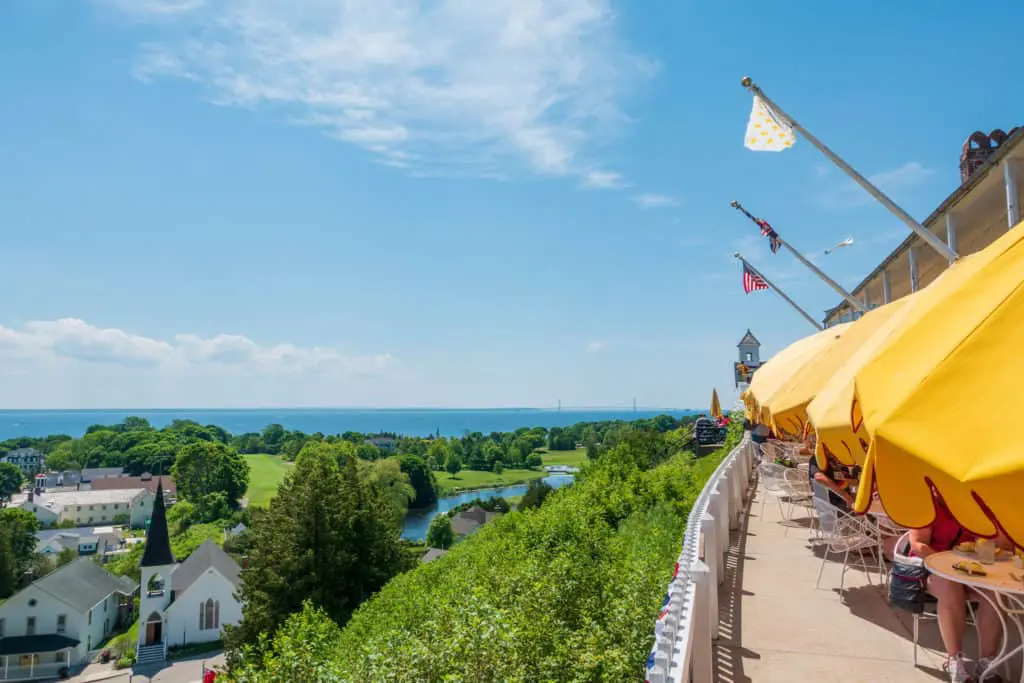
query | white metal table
(1002,587)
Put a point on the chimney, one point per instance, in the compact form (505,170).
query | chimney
(978,148)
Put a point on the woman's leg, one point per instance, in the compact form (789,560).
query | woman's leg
(990,628)
(952,611)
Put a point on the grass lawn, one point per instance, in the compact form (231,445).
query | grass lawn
(473,479)
(265,473)
(574,458)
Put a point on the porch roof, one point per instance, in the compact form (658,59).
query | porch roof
(44,642)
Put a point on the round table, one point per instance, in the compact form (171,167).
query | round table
(1001,587)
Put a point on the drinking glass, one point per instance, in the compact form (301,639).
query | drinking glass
(986,551)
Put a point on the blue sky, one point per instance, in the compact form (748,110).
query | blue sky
(450,202)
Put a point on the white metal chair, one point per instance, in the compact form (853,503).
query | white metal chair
(846,534)
(773,483)
(800,494)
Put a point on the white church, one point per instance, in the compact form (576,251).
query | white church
(183,603)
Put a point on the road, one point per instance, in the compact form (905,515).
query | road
(180,671)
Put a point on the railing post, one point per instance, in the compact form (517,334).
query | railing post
(735,478)
(705,614)
(720,512)
(709,529)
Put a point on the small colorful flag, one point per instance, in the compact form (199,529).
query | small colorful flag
(768,231)
(752,281)
(766,130)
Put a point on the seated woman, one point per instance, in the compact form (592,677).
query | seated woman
(832,478)
(944,534)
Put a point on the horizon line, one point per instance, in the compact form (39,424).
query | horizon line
(313,407)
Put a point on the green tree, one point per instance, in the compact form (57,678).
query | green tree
(535,494)
(10,480)
(300,651)
(440,534)
(453,465)
(387,476)
(17,549)
(66,556)
(498,467)
(327,537)
(205,467)
(272,437)
(421,479)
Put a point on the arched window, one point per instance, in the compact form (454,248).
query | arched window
(209,614)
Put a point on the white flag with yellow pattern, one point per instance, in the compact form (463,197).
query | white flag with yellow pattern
(766,130)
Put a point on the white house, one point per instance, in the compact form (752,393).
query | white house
(183,603)
(84,508)
(56,620)
(30,460)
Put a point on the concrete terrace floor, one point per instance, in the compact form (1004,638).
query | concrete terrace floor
(776,627)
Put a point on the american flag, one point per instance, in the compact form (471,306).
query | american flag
(768,231)
(752,281)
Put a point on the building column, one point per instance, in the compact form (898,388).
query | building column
(6,657)
(886,291)
(951,233)
(912,257)
(1012,197)
(867,300)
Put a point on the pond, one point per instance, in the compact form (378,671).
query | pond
(418,521)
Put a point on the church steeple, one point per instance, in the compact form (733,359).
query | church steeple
(158,542)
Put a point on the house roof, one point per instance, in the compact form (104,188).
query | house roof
(207,556)
(433,554)
(462,526)
(143,482)
(749,339)
(158,542)
(83,583)
(44,642)
(98,472)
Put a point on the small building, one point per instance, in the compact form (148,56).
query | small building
(29,460)
(94,473)
(83,540)
(749,359)
(143,481)
(468,521)
(385,442)
(57,620)
(432,555)
(84,508)
(183,603)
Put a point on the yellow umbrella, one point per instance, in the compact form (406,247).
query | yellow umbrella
(716,407)
(926,399)
(788,405)
(774,374)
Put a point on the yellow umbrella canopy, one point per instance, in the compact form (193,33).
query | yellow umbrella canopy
(716,407)
(774,374)
(788,406)
(926,399)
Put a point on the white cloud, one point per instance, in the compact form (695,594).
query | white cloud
(604,180)
(596,346)
(70,340)
(847,193)
(651,200)
(442,86)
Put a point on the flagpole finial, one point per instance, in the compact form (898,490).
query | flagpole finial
(736,254)
(747,82)
(735,204)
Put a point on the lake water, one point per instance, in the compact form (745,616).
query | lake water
(417,523)
(407,421)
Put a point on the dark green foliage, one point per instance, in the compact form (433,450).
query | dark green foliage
(327,537)
(421,479)
(212,476)
(17,549)
(10,480)
(535,494)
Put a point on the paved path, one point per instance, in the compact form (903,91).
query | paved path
(179,671)
(777,628)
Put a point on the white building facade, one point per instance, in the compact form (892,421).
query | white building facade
(85,508)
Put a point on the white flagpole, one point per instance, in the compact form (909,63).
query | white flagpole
(778,291)
(930,238)
(857,305)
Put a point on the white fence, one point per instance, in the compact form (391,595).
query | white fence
(689,618)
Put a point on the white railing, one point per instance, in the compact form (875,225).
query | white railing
(689,618)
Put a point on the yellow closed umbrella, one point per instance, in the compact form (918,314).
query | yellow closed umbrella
(716,407)
(928,397)
(788,405)
(774,374)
